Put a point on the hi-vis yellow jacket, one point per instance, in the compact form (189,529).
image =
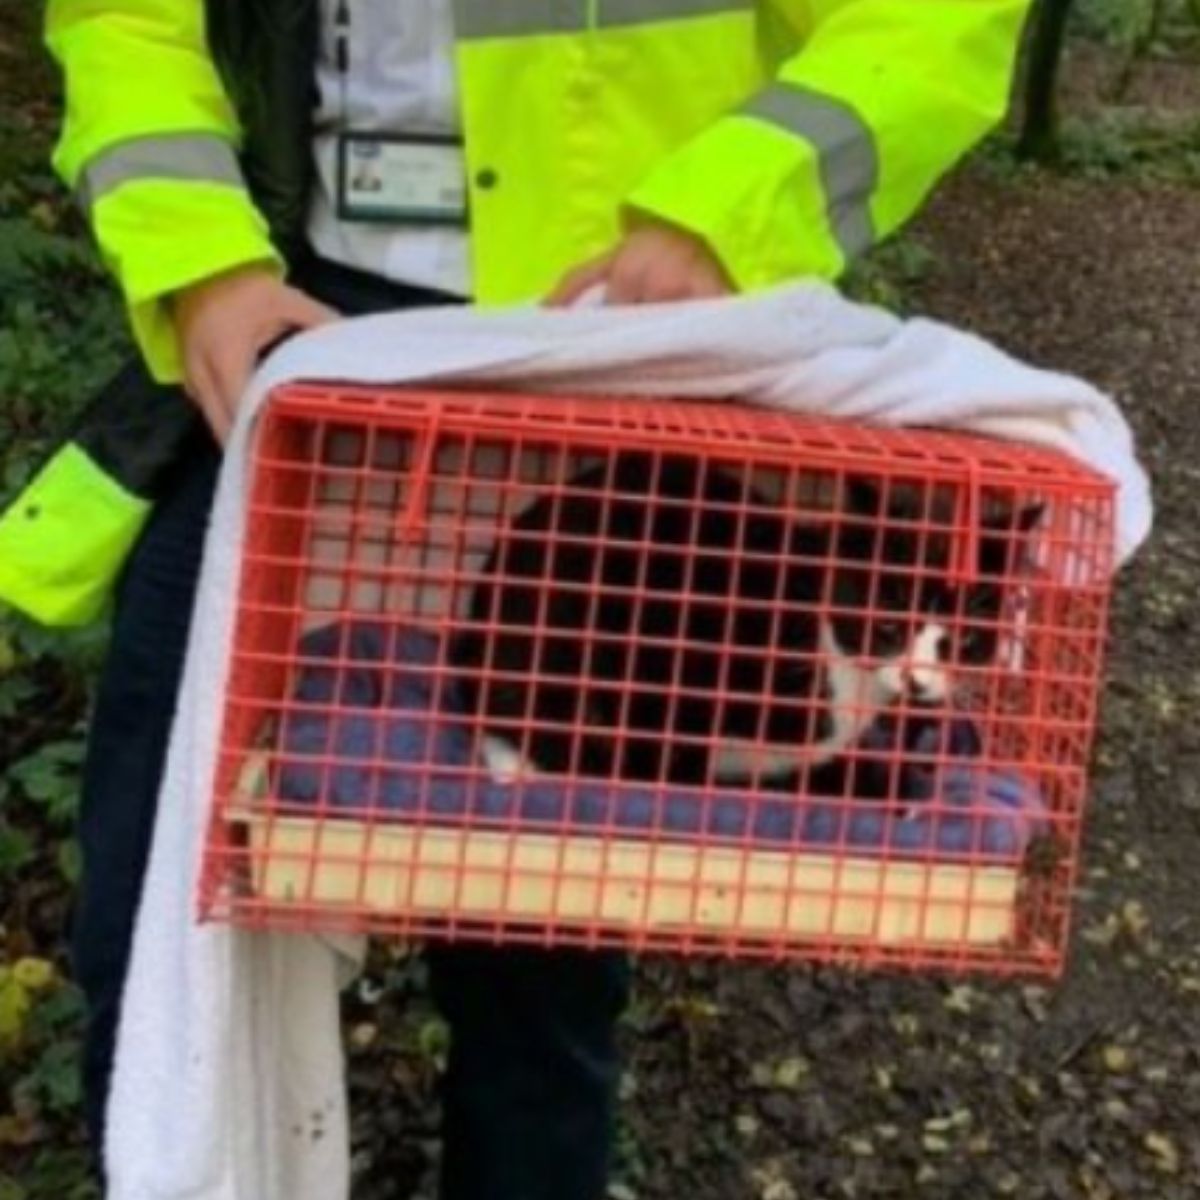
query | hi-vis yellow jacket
(789,134)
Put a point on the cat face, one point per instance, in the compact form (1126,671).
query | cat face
(687,593)
(898,604)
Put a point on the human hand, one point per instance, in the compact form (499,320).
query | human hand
(655,263)
(223,323)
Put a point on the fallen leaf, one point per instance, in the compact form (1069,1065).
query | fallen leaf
(1166,1155)
(1116,1059)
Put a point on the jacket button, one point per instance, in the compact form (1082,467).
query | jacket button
(487,178)
(33,511)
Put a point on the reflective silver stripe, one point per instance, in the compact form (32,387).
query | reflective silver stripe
(643,12)
(202,157)
(511,18)
(848,158)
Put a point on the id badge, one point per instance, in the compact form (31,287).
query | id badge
(397,180)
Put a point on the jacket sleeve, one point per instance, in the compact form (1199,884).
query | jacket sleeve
(842,146)
(149,145)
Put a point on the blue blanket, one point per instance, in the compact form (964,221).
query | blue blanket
(387,750)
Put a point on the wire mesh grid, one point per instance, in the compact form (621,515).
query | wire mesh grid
(682,677)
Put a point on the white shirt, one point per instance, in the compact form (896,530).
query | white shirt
(401,80)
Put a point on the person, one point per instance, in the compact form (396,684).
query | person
(519,150)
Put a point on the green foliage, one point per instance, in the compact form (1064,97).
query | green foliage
(1130,142)
(1135,32)
(61,336)
(1114,143)
(1114,22)
(60,333)
(61,1174)
(887,275)
(16,850)
(49,778)
(1122,23)
(43,688)
(40,1019)
(53,1085)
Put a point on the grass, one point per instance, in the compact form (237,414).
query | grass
(1115,144)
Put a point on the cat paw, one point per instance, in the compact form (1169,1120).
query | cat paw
(504,762)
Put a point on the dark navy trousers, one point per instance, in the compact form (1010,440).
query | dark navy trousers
(533,1066)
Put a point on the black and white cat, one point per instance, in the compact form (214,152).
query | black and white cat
(660,620)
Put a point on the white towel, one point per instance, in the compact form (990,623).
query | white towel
(228,1082)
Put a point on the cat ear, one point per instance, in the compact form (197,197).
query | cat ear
(1004,544)
(1030,516)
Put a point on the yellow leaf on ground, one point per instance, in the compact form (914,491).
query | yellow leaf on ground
(34,974)
(14,1007)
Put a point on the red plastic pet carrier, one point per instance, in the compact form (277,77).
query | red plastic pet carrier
(683,677)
